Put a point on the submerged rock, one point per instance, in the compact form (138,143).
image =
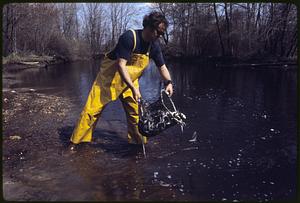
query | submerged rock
(14,137)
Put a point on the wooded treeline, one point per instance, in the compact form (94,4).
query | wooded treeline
(76,30)
(232,29)
(71,30)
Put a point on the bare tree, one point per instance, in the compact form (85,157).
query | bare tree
(120,16)
(69,20)
(94,21)
(219,31)
(13,14)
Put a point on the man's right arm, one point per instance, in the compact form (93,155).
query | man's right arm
(122,52)
(121,63)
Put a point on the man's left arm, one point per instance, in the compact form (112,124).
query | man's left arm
(157,56)
(165,74)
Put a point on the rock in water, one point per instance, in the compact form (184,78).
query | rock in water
(194,137)
(14,137)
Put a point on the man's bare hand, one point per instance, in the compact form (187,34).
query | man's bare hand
(169,89)
(136,93)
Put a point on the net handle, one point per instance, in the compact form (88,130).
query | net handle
(163,103)
(141,105)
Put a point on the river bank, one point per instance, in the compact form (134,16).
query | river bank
(230,61)
(24,61)
(32,60)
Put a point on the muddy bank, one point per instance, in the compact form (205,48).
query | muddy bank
(36,163)
(24,111)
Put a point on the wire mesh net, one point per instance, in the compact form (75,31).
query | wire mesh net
(158,116)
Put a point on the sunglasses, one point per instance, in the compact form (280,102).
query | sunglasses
(160,33)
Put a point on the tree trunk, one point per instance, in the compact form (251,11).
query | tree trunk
(228,30)
(219,32)
(292,44)
(285,14)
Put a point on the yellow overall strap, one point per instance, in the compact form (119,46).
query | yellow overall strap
(148,51)
(134,39)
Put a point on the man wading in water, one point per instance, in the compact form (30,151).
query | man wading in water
(118,78)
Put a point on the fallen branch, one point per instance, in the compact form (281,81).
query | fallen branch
(29,63)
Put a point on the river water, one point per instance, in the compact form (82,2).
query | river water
(239,144)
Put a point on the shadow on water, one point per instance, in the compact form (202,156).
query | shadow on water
(65,135)
(103,140)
